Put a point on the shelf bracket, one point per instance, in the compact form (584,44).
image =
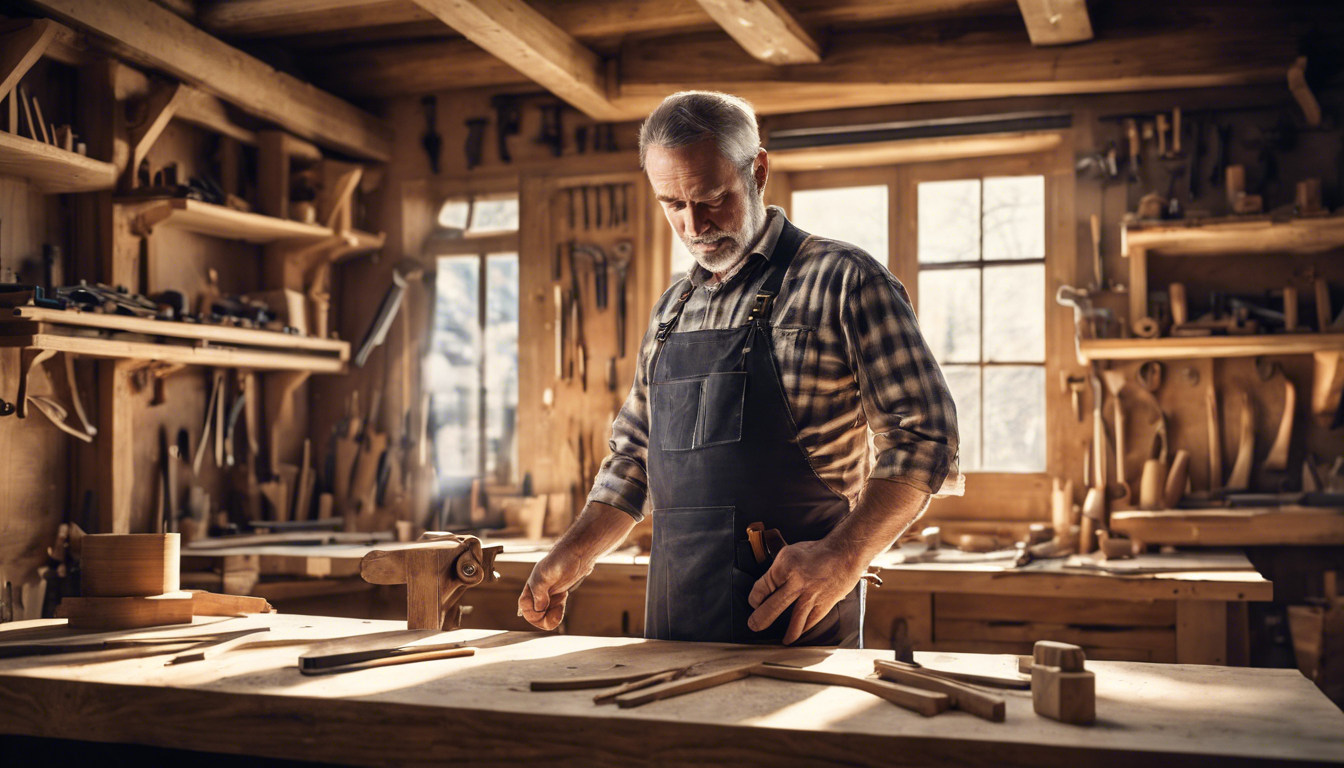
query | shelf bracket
(19,51)
(160,106)
(28,360)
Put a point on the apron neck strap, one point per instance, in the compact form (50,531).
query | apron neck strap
(790,240)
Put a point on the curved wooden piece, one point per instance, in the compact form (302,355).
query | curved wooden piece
(1240,478)
(926,703)
(1278,453)
(28,360)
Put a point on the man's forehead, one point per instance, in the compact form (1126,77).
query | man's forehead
(676,173)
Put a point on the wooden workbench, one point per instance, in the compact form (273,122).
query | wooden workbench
(1195,616)
(253,701)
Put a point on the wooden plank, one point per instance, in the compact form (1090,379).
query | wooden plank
(1233,236)
(52,169)
(213,356)
(146,33)
(246,704)
(1211,346)
(765,29)
(20,50)
(1201,632)
(218,221)
(1056,22)
(584,19)
(518,34)
(218,333)
(975,630)
(890,67)
(1223,528)
(871,154)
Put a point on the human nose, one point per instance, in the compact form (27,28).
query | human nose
(696,220)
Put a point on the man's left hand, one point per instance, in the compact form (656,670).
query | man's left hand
(812,576)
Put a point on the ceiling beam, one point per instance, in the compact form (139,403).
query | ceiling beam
(584,19)
(412,69)
(766,30)
(147,34)
(888,67)
(521,37)
(1056,22)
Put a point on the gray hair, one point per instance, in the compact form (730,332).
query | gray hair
(690,117)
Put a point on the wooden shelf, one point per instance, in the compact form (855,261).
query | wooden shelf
(218,221)
(53,169)
(1233,527)
(96,335)
(1211,346)
(1237,236)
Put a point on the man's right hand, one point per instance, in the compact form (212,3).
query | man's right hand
(544,596)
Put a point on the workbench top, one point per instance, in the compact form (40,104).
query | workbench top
(253,701)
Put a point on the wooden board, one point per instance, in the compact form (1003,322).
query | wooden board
(218,221)
(252,701)
(53,169)
(170,353)
(1232,527)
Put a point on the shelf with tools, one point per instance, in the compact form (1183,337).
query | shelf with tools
(219,221)
(51,168)
(118,336)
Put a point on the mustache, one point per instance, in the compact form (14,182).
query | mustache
(711,237)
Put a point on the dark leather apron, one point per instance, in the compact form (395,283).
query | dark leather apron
(724,453)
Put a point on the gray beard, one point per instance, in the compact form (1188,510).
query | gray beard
(730,254)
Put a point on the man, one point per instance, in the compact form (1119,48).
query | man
(760,376)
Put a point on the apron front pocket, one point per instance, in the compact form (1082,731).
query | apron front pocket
(699,412)
(690,574)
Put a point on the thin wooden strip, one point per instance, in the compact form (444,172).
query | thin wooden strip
(683,686)
(594,681)
(926,703)
(962,677)
(443,653)
(963,697)
(608,697)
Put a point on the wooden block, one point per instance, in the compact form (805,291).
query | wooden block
(214,604)
(106,613)
(1069,697)
(1067,657)
(130,564)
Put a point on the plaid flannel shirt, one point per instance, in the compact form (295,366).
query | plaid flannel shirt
(851,359)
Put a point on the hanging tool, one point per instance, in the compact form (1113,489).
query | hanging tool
(474,147)
(1095,221)
(1220,158)
(581,138)
(552,129)
(431,141)
(597,205)
(508,117)
(1115,382)
(559,298)
(573,209)
(580,356)
(620,261)
(583,197)
(1132,136)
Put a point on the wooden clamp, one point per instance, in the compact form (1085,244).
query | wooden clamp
(437,571)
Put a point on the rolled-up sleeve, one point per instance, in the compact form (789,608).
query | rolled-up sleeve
(904,396)
(623,480)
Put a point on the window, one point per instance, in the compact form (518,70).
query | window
(981,261)
(472,369)
(856,215)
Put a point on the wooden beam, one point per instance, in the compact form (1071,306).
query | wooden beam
(1056,22)
(870,154)
(584,19)
(892,67)
(413,69)
(766,30)
(160,107)
(20,49)
(529,42)
(147,34)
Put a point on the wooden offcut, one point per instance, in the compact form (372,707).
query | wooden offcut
(107,613)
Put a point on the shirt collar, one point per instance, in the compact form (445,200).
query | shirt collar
(764,247)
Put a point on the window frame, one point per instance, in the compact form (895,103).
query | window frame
(995,495)
(481,247)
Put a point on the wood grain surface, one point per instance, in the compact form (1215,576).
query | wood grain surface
(253,701)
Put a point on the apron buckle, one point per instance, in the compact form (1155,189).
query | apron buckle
(761,308)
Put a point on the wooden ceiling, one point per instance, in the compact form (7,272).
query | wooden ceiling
(614,59)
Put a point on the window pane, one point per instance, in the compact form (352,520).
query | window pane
(949,221)
(501,365)
(963,381)
(856,215)
(452,373)
(682,260)
(1015,314)
(1014,418)
(1014,218)
(949,313)
(453,214)
(498,215)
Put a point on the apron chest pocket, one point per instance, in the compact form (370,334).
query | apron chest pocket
(699,412)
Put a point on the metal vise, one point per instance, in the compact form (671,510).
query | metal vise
(437,571)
